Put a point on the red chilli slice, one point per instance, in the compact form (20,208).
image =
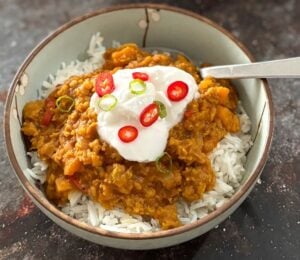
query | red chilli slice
(128,133)
(47,117)
(48,114)
(140,75)
(149,115)
(177,91)
(104,84)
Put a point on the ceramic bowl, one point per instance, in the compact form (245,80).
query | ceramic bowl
(147,25)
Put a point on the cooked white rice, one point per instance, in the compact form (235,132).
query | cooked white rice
(227,159)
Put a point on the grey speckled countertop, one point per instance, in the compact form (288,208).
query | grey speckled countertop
(266,226)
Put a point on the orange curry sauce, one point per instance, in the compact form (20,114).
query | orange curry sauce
(79,160)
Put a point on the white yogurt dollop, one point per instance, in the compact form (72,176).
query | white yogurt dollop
(151,141)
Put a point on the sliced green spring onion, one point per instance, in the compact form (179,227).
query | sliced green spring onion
(65,103)
(164,163)
(137,87)
(107,102)
(162,109)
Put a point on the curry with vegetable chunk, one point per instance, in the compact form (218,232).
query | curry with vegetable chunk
(63,130)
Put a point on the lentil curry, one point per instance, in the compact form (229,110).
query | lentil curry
(63,130)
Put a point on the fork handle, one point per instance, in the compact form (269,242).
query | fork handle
(285,68)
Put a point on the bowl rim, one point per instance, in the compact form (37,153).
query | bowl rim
(46,205)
